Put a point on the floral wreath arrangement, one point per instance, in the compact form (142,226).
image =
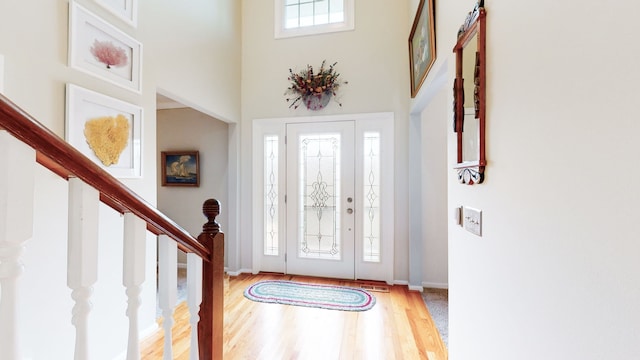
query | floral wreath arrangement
(313,89)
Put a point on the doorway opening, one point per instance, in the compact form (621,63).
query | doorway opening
(323,196)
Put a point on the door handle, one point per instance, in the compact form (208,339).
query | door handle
(349,211)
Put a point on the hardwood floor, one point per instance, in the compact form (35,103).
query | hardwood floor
(398,327)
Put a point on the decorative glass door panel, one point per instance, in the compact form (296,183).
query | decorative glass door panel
(320,189)
(271,204)
(371,197)
(319,197)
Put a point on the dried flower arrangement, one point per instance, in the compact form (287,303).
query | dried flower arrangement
(313,89)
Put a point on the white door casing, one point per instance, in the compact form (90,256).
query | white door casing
(373,202)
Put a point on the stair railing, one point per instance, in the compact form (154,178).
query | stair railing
(23,140)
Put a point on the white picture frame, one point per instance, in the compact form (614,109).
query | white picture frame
(127,10)
(102,50)
(86,107)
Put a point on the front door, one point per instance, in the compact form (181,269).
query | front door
(323,196)
(320,199)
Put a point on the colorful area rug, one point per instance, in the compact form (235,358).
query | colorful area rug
(310,295)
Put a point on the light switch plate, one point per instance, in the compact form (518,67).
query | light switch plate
(472,220)
(457,215)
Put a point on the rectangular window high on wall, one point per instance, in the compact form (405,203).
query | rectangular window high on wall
(271,224)
(309,17)
(371,196)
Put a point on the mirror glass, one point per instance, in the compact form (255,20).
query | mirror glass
(470,130)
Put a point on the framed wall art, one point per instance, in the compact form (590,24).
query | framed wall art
(102,50)
(422,45)
(180,168)
(106,130)
(127,10)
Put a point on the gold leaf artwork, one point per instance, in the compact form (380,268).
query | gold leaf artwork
(107,136)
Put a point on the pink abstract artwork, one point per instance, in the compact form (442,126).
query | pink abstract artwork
(109,54)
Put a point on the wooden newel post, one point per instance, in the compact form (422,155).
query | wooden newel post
(210,326)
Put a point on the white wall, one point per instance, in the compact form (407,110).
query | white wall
(193,48)
(183,130)
(429,171)
(194,51)
(435,168)
(555,274)
(373,59)
(189,49)
(1,73)
(35,51)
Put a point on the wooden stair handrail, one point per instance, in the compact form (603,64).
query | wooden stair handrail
(210,326)
(63,159)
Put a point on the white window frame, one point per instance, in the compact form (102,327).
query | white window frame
(280,32)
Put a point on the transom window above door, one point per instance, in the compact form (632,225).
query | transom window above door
(311,17)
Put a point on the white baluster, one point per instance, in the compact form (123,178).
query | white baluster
(16,226)
(194,299)
(135,231)
(82,257)
(167,287)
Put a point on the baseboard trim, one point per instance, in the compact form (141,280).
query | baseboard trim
(406,283)
(432,285)
(238,272)
(425,285)
(231,273)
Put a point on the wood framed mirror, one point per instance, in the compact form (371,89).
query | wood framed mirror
(469,97)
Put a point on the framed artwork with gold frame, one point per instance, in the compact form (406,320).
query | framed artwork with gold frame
(180,168)
(422,45)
